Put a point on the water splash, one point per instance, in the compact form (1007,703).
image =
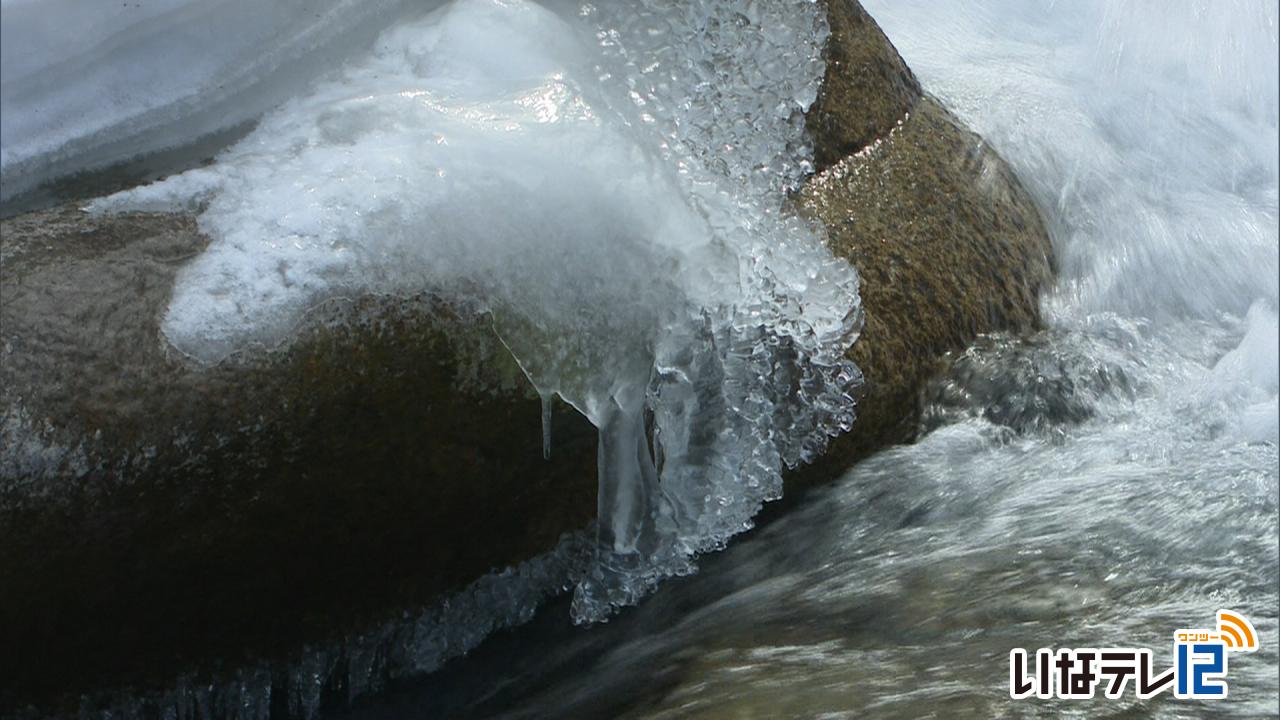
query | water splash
(1146,129)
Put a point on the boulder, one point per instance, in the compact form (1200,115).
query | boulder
(948,245)
(155,516)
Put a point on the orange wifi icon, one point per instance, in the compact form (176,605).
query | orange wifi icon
(1236,631)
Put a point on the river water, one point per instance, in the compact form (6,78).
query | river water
(1099,485)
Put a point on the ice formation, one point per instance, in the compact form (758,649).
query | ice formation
(607,182)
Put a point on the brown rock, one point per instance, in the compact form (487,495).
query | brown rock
(948,246)
(948,243)
(866,90)
(154,515)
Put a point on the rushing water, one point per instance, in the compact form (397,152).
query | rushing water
(1101,484)
(899,592)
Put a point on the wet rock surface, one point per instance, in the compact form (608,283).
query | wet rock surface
(155,515)
(159,516)
(948,246)
(867,88)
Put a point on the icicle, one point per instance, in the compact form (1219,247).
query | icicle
(546,425)
(629,505)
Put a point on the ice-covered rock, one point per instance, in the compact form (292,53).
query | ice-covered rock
(607,184)
(376,441)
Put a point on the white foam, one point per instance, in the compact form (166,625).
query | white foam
(1247,379)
